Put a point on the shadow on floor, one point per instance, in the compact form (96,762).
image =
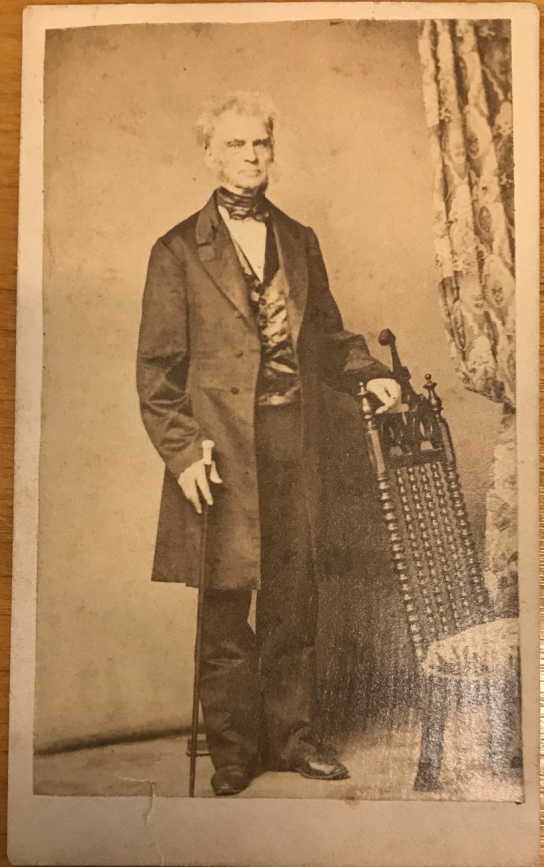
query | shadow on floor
(382,767)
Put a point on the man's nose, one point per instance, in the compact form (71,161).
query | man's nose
(250,153)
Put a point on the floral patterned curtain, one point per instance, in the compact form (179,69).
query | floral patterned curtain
(468,101)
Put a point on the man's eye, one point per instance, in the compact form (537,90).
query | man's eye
(263,143)
(235,143)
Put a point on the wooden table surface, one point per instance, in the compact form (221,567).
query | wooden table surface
(10,54)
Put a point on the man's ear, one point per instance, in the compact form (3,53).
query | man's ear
(209,157)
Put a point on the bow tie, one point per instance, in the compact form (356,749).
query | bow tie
(241,207)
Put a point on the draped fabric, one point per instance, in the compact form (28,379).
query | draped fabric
(467,91)
(501,567)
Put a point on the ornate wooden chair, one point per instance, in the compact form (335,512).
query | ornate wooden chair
(433,554)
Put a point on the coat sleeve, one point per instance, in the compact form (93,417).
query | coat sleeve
(344,356)
(163,362)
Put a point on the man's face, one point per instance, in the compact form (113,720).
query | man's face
(240,152)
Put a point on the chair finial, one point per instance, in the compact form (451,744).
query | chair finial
(400,372)
(432,397)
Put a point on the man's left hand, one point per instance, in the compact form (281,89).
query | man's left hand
(388,393)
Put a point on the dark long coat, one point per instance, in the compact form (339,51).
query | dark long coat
(198,361)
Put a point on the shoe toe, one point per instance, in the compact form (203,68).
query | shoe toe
(230,780)
(317,768)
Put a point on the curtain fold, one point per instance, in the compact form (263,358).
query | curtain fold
(466,71)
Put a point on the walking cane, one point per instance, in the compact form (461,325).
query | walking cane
(207,447)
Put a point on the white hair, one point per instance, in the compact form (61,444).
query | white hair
(242,102)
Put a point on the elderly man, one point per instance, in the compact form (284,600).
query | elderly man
(238,331)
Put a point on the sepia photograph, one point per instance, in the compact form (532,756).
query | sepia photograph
(277,463)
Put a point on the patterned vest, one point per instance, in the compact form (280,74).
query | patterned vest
(278,381)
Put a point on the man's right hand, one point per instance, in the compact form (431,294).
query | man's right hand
(194,483)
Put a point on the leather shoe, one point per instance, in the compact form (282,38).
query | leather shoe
(230,780)
(317,767)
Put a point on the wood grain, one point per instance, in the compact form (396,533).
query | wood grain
(10,54)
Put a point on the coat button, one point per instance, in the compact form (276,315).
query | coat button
(239,353)
(235,390)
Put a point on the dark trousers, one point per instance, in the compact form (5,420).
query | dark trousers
(258,688)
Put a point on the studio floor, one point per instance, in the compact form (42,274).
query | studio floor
(382,767)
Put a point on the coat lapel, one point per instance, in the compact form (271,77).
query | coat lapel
(218,256)
(293,261)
